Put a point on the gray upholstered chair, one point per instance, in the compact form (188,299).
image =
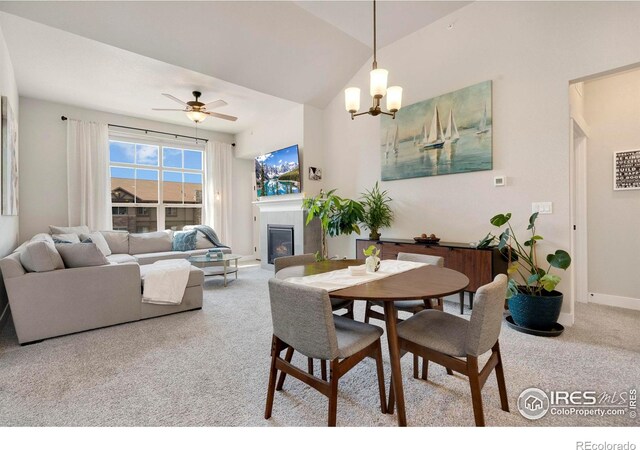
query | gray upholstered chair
(410,306)
(457,343)
(303,320)
(336,303)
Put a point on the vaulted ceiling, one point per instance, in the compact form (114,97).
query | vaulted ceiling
(268,52)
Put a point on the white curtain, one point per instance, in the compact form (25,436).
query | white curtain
(217,192)
(88,183)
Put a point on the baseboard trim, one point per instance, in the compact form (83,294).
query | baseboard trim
(566,319)
(614,300)
(4,316)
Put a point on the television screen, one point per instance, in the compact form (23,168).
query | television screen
(278,173)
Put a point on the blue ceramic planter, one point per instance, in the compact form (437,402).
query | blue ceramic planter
(534,311)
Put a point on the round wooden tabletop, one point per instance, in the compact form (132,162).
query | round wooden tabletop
(421,283)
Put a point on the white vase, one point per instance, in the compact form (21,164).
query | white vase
(372,263)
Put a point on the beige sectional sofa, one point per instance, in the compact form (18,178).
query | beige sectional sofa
(58,301)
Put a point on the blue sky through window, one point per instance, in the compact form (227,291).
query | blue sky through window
(172,157)
(122,152)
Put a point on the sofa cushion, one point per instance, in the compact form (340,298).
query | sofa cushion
(66,230)
(68,238)
(159,241)
(184,240)
(117,258)
(97,238)
(202,242)
(118,241)
(196,276)
(46,237)
(150,258)
(81,255)
(41,256)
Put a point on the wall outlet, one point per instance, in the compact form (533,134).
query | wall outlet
(500,181)
(542,207)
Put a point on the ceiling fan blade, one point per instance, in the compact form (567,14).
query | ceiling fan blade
(165,109)
(221,116)
(175,99)
(216,104)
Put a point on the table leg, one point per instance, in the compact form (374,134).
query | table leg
(394,356)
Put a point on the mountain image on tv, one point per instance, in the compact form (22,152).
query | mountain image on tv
(278,173)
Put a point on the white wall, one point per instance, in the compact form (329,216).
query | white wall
(531,50)
(43,171)
(8,224)
(612,110)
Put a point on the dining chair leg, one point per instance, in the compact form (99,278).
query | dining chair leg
(416,366)
(502,387)
(380,371)
(333,393)
(349,314)
(287,358)
(425,369)
(367,310)
(310,366)
(323,369)
(272,379)
(476,394)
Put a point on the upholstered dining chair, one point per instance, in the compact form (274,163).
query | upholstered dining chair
(302,319)
(336,303)
(410,306)
(457,343)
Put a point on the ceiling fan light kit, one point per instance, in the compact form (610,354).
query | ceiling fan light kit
(197,111)
(377,88)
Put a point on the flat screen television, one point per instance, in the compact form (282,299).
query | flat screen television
(278,173)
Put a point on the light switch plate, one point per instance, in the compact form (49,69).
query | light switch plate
(500,181)
(542,207)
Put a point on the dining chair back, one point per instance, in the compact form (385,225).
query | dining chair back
(427,259)
(302,318)
(486,318)
(294,260)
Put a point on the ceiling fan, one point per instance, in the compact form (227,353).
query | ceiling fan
(198,111)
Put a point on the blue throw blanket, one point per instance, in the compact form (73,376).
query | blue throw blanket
(211,235)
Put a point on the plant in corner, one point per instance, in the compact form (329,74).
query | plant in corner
(377,213)
(337,216)
(533,301)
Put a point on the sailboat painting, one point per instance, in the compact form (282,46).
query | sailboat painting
(451,133)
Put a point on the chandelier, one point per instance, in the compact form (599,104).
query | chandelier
(377,88)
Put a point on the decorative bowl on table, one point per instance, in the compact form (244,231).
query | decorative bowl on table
(427,239)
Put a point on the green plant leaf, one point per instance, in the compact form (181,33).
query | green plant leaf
(559,259)
(512,288)
(500,219)
(504,239)
(533,239)
(549,282)
(532,220)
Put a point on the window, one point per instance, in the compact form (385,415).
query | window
(155,187)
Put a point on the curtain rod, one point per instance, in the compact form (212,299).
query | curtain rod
(153,131)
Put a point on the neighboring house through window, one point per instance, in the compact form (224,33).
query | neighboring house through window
(155,186)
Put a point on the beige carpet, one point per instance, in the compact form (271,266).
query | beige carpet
(210,367)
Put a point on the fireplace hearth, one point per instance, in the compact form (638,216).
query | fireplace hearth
(279,241)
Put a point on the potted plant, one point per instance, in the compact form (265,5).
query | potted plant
(337,216)
(533,301)
(377,213)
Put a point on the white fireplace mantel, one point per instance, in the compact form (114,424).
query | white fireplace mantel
(291,202)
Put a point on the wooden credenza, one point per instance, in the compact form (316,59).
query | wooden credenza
(479,265)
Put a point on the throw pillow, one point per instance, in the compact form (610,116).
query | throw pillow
(97,238)
(118,241)
(67,238)
(67,230)
(40,256)
(81,255)
(157,241)
(184,241)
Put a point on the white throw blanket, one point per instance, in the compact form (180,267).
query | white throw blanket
(165,281)
(340,279)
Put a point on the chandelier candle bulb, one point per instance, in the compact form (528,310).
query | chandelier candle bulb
(394,98)
(378,80)
(352,99)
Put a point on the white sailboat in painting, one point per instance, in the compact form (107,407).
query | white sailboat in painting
(451,133)
(482,128)
(435,137)
(391,144)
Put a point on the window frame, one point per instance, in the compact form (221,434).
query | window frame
(161,143)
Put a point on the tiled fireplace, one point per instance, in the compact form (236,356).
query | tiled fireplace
(283,231)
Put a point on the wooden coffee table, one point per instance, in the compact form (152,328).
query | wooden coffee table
(216,266)
(422,283)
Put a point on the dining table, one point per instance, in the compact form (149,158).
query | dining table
(422,283)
